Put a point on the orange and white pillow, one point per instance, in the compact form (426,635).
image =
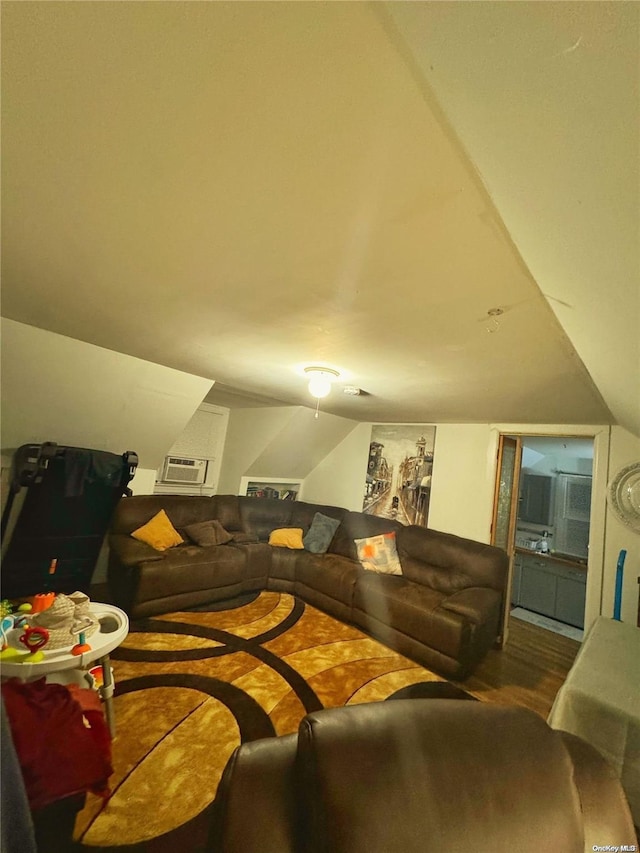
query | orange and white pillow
(379,554)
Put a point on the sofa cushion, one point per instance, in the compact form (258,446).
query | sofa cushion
(208,533)
(378,554)
(158,532)
(286,537)
(413,610)
(262,515)
(328,574)
(282,563)
(189,568)
(320,534)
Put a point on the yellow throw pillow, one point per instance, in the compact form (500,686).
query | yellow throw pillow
(159,533)
(286,537)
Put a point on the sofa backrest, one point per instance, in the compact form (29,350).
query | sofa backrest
(182,510)
(448,563)
(359,525)
(227,511)
(260,516)
(449,775)
(420,774)
(303,513)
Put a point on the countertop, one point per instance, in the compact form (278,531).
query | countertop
(573,562)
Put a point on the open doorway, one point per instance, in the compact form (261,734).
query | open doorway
(542,519)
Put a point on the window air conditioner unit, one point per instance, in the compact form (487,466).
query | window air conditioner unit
(187,471)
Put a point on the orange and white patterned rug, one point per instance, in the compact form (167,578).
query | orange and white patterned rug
(192,685)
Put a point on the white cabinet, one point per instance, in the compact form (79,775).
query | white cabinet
(571,535)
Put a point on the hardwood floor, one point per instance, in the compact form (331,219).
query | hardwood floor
(528,671)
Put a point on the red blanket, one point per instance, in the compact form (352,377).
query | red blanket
(61,739)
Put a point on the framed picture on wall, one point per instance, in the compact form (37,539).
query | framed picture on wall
(398,478)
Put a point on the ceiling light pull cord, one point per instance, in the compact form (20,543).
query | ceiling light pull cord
(493,314)
(317,408)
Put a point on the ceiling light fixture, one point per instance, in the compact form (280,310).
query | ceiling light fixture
(320,382)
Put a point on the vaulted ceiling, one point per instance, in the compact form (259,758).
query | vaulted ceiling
(238,190)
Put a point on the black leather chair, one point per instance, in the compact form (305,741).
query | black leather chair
(420,775)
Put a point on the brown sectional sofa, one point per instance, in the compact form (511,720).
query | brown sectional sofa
(444,611)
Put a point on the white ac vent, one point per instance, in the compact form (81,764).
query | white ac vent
(188,471)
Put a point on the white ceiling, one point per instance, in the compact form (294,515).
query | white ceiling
(564,447)
(237,190)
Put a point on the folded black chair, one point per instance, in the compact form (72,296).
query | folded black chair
(55,540)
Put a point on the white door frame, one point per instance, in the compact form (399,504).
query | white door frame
(601,436)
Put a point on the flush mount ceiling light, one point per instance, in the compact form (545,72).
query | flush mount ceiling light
(493,314)
(320,380)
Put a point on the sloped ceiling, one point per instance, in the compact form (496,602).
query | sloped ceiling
(237,190)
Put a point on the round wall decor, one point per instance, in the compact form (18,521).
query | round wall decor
(624,495)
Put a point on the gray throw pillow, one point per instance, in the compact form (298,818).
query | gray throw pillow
(206,533)
(320,533)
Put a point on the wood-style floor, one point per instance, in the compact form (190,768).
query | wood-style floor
(528,671)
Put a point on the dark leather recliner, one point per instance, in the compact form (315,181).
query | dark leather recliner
(414,776)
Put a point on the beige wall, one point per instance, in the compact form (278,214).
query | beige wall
(59,389)
(280,442)
(339,479)
(248,433)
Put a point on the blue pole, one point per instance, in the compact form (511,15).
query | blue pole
(617,602)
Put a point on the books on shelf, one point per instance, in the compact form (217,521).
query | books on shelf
(264,490)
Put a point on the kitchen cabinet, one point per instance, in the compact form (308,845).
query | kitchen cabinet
(551,587)
(515,580)
(538,588)
(570,596)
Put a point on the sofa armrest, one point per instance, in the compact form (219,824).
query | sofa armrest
(130,552)
(256,798)
(474,604)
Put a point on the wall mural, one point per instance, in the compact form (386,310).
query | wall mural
(398,480)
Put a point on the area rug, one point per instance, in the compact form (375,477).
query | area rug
(193,685)
(548,624)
